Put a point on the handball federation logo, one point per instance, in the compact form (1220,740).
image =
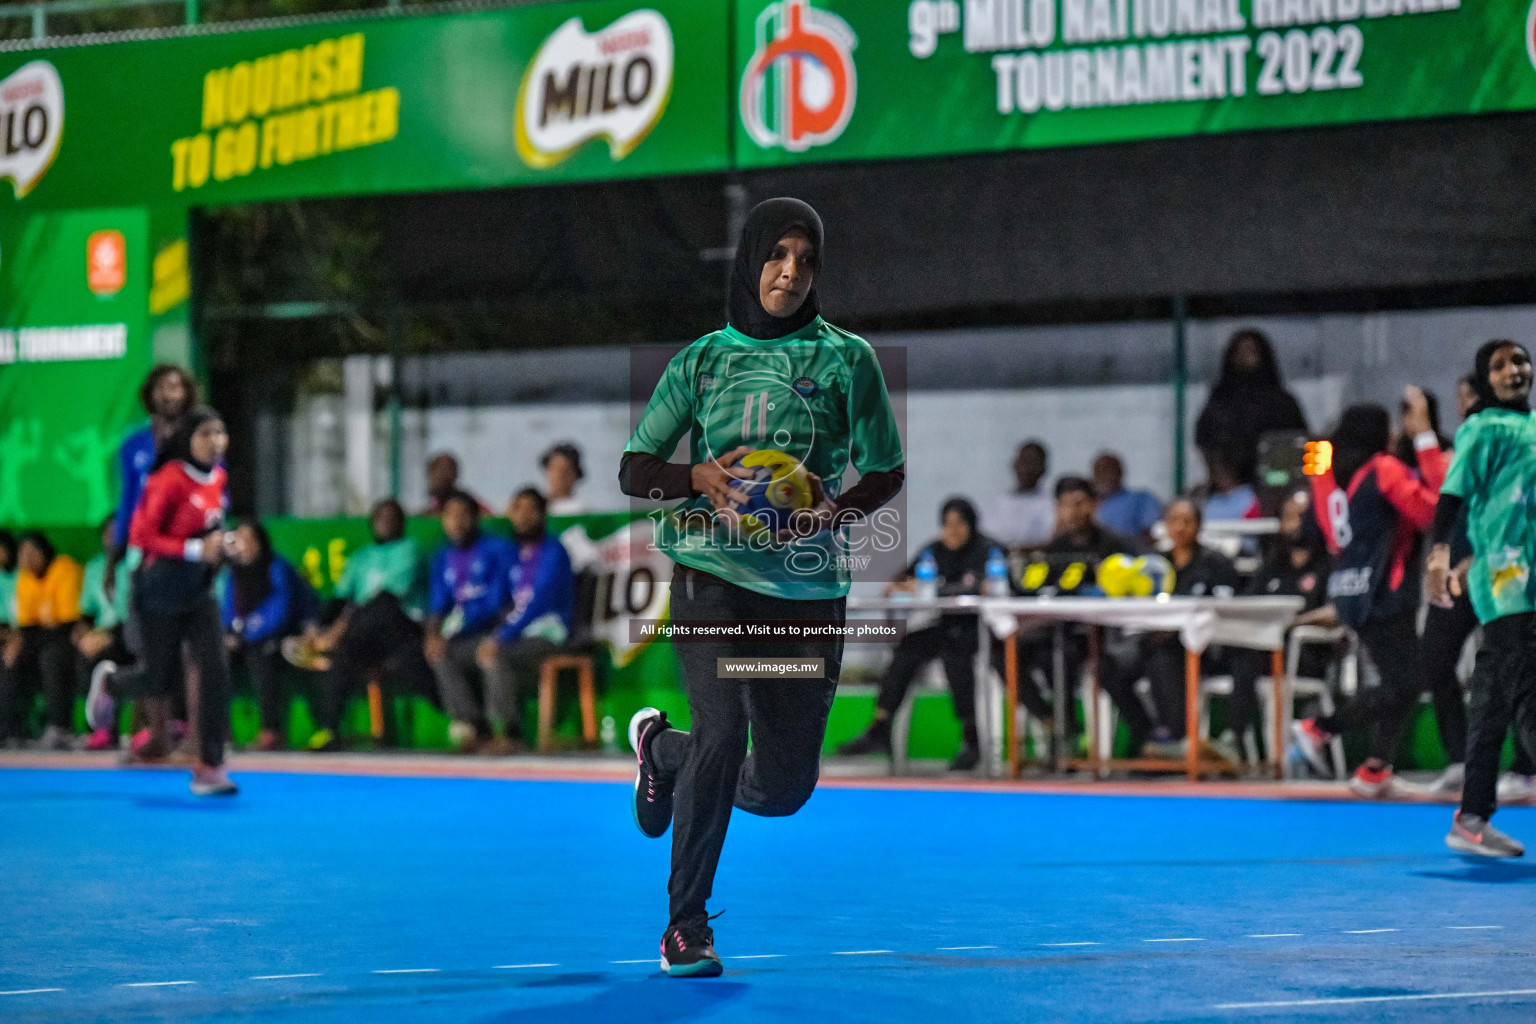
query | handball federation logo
(800,85)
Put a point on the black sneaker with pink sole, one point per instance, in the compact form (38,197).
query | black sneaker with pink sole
(652,807)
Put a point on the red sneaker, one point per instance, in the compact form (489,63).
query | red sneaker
(1372,783)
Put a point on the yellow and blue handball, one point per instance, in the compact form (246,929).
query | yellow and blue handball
(1135,576)
(778,487)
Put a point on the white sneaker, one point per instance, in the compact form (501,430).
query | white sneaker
(1450,781)
(99,705)
(1516,789)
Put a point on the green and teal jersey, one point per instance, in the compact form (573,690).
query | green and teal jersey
(818,395)
(7,598)
(396,567)
(1494,472)
(104,612)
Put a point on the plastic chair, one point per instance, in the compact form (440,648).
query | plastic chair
(1296,686)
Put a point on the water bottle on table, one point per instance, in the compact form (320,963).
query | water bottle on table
(997,575)
(927,573)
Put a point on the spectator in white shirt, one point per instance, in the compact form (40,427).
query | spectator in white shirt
(562,471)
(1026,517)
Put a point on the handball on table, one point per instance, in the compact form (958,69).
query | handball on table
(1135,576)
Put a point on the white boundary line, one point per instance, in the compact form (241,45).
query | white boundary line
(30,991)
(518,967)
(1373,999)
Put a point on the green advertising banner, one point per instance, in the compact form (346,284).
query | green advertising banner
(554,92)
(883,79)
(74,297)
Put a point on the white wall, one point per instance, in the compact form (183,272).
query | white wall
(957,442)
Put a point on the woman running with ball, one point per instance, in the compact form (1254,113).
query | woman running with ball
(777,377)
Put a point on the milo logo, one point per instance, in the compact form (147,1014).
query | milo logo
(612,84)
(31,123)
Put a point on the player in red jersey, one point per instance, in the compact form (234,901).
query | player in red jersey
(179,525)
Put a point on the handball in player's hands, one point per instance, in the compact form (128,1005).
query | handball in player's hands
(715,477)
(778,489)
(819,516)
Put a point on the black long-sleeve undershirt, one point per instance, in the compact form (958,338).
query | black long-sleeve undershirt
(1447,511)
(643,475)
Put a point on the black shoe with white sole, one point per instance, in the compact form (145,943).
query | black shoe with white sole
(652,806)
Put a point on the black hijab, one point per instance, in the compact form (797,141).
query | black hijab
(253,583)
(1363,431)
(178,443)
(970,558)
(768,222)
(1486,398)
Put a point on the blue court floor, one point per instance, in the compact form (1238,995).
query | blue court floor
(330,898)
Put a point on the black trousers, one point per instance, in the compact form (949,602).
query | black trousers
(1503,694)
(381,643)
(952,641)
(161,674)
(1247,667)
(263,662)
(786,720)
(45,663)
(1393,644)
(1118,673)
(1445,633)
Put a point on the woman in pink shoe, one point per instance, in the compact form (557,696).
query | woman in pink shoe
(179,526)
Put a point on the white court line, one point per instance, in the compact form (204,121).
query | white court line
(756,956)
(1472,927)
(154,984)
(1369,931)
(647,960)
(30,991)
(1172,940)
(1059,944)
(1278,935)
(1374,999)
(411,970)
(280,977)
(518,967)
(944,949)
(860,952)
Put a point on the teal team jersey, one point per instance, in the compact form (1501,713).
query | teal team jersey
(1494,472)
(7,598)
(817,394)
(396,567)
(94,603)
